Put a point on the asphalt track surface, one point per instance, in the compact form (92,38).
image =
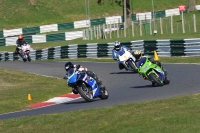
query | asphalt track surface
(123,86)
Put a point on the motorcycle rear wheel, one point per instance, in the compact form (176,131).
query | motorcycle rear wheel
(167,80)
(85,92)
(156,79)
(104,93)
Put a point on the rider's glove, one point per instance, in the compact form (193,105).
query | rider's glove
(65,77)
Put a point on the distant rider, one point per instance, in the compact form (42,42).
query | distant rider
(116,50)
(80,68)
(20,41)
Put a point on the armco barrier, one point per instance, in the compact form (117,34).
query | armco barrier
(43,38)
(164,48)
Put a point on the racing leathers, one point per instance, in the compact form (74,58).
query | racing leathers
(115,56)
(90,73)
(19,43)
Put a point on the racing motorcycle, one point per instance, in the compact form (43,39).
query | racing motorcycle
(152,72)
(85,85)
(24,51)
(127,59)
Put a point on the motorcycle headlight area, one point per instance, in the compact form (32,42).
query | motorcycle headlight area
(125,57)
(144,69)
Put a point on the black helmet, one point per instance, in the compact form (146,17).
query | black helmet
(138,54)
(117,45)
(68,65)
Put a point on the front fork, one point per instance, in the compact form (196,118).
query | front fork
(126,64)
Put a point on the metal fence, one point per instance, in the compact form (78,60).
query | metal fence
(164,48)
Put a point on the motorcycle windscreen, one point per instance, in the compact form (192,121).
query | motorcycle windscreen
(141,62)
(120,52)
(72,76)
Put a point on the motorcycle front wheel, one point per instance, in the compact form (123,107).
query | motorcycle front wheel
(156,79)
(85,92)
(132,66)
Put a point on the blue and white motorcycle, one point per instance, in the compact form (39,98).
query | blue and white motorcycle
(127,59)
(85,85)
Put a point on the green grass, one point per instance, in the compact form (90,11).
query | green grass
(20,13)
(15,87)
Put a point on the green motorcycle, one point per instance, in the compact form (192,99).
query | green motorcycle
(152,72)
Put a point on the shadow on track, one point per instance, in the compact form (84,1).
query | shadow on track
(123,72)
(81,102)
(145,86)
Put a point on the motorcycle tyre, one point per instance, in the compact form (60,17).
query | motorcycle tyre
(104,93)
(82,93)
(167,80)
(24,59)
(132,66)
(156,80)
(29,59)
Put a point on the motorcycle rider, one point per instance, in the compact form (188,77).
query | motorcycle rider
(80,68)
(117,48)
(20,41)
(138,55)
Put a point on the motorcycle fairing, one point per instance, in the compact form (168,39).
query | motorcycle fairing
(141,62)
(161,73)
(120,52)
(74,76)
(93,84)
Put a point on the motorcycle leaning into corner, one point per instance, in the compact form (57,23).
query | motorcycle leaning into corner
(127,59)
(85,85)
(24,52)
(152,72)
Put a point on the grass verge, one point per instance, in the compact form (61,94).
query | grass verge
(175,115)
(16,85)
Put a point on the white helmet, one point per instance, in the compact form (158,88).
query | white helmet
(117,45)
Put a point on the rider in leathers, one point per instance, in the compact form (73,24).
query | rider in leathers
(20,41)
(80,68)
(117,48)
(138,55)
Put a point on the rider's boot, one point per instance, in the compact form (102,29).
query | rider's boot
(65,77)
(74,91)
(29,58)
(144,77)
(120,67)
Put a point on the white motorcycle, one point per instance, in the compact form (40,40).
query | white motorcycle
(127,59)
(24,51)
